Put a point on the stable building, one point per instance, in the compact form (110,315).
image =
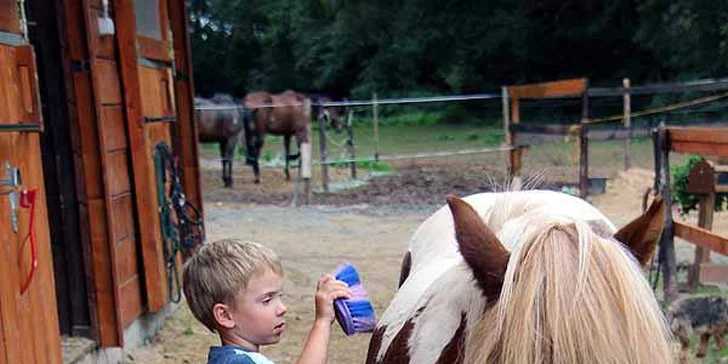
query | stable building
(96,137)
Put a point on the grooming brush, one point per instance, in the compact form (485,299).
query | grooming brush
(357,313)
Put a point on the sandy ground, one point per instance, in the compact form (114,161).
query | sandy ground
(371,230)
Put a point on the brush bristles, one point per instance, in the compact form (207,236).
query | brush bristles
(347,273)
(357,313)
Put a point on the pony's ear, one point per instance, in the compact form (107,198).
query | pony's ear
(642,234)
(483,252)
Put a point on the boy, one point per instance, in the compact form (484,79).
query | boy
(234,288)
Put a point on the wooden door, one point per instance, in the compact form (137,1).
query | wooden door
(28,319)
(109,196)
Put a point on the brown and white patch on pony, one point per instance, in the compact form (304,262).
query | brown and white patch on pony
(453,351)
(437,324)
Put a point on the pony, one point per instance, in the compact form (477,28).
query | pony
(282,114)
(220,120)
(525,277)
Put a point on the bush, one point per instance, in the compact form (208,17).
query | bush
(687,201)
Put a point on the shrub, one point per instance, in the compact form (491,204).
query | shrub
(687,201)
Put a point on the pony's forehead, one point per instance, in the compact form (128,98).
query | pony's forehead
(511,214)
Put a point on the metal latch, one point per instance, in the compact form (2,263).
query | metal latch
(12,180)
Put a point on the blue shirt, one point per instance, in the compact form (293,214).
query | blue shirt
(229,354)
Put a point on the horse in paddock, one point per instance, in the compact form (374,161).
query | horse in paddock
(221,120)
(525,277)
(281,114)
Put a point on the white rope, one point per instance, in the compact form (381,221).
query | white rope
(412,100)
(237,107)
(218,107)
(423,155)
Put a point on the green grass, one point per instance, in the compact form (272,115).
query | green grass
(376,166)
(393,140)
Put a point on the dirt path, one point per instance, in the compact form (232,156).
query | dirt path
(371,230)
(310,242)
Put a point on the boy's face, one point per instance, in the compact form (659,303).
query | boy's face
(259,310)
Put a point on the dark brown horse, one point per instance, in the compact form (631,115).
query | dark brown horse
(221,120)
(282,114)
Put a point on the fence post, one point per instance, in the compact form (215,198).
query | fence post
(702,182)
(350,142)
(511,116)
(584,145)
(627,121)
(323,154)
(506,117)
(305,170)
(667,241)
(375,114)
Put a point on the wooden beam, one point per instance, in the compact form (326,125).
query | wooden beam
(574,87)
(710,141)
(702,237)
(142,164)
(188,145)
(717,135)
(98,71)
(662,88)
(706,149)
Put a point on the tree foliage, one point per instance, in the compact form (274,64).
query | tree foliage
(351,48)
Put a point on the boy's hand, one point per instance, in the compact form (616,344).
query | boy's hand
(327,290)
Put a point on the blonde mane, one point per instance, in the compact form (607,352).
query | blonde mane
(525,277)
(570,296)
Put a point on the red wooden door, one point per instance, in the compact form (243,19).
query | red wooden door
(28,318)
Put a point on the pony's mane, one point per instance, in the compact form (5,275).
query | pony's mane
(569,296)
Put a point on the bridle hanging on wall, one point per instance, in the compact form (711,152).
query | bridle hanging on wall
(180,221)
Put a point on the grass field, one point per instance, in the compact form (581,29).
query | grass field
(392,140)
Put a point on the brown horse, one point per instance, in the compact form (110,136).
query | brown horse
(281,114)
(220,120)
(525,277)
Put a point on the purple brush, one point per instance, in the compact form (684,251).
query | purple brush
(357,313)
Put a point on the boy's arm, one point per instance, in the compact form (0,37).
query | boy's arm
(315,350)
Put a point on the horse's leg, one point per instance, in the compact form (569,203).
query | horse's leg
(223,160)
(256,171)
(226,148)
(684,349)
(230,155)
(718,333)
(703,346)
(257,150)
(287,146)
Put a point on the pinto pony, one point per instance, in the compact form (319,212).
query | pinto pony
(283,114)
(525,277)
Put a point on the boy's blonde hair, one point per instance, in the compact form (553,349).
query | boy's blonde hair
(220,270)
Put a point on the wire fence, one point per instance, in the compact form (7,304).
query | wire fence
(378,133)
